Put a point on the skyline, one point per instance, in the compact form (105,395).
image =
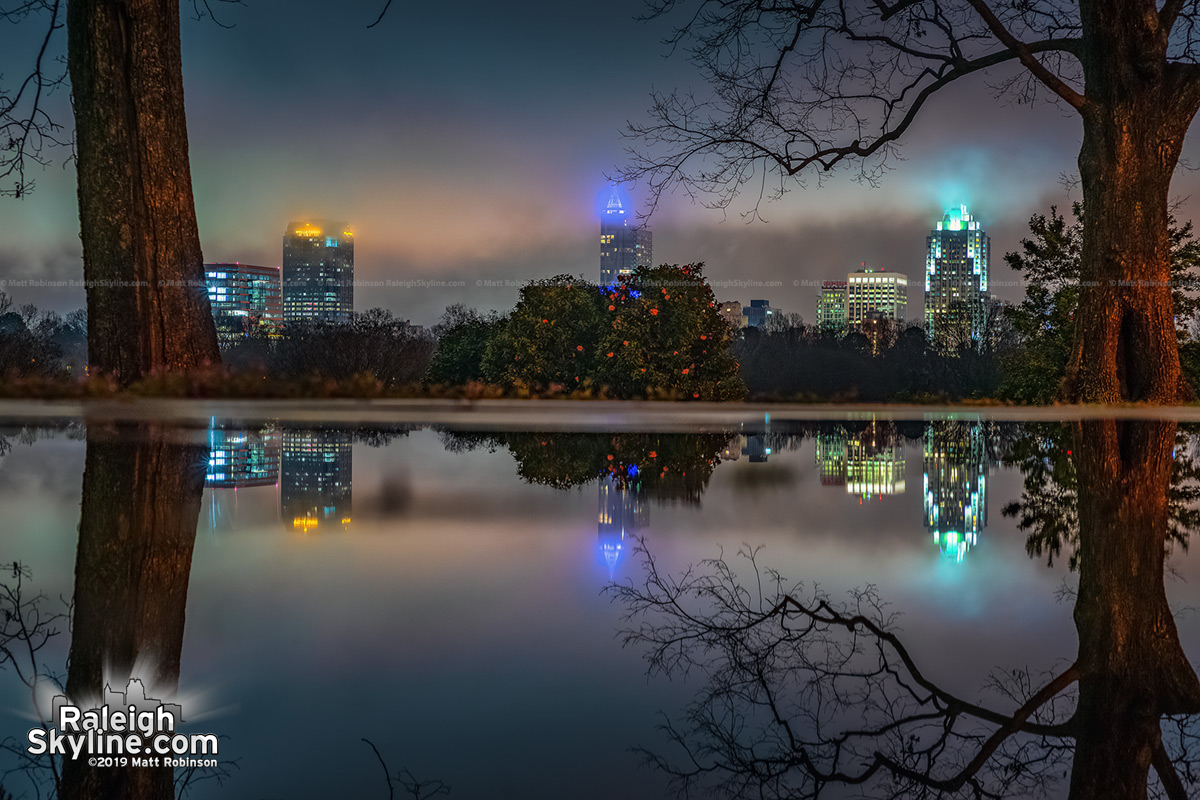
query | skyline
(450,172)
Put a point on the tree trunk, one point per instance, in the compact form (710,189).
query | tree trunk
(141,503)
(1137,113)
(1132,667)
(147,303)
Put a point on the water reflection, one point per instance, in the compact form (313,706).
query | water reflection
(317,477)
(868,462)
(238,458)
(141,500)
(806,696)
(954,485)
(1113,497)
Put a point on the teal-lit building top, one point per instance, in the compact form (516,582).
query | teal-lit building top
(956,277)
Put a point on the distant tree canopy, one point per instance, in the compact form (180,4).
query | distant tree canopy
(462,339)
(657,331)
(665,333)
(802,361)
(373,344)
(41,343)
(551,338)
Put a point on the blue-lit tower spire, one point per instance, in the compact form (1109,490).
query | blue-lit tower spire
(624,245)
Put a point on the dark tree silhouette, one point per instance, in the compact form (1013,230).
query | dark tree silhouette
(141,501)
(807,87)
(803,695)
(147,303)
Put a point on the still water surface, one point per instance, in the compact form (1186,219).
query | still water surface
(443,594)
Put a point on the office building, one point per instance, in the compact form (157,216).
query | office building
(956,278)
(245,299)
(624,244)
(875,294)
(831,308)
(758,313)
(318,272)
(731,312)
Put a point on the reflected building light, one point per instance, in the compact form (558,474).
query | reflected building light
(754,447)
(954,486)
(237,459)
(868,463)
(316,476)
(622,515)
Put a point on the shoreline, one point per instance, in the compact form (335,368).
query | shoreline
(546,414)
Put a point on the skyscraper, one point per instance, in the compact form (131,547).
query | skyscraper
(875,294)
(623,245)
(318,271)
(956,277)
(831,308)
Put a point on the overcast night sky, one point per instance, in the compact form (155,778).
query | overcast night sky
(468,141)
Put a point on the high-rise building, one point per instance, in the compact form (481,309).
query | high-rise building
(956,277)
(244,299)
(624,245)
(875,294)
(831,308)
(318,271)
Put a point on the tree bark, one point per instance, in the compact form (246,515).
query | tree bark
(141,503)
(1132,666)
(1137,113)
(148,308)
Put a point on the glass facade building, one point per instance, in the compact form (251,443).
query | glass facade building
(244,298)
(623,246)
(318,271)
(758,313)
(956,277)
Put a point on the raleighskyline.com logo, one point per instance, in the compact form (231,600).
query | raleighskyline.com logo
(127,729)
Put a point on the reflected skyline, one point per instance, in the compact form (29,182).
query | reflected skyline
(312,472)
